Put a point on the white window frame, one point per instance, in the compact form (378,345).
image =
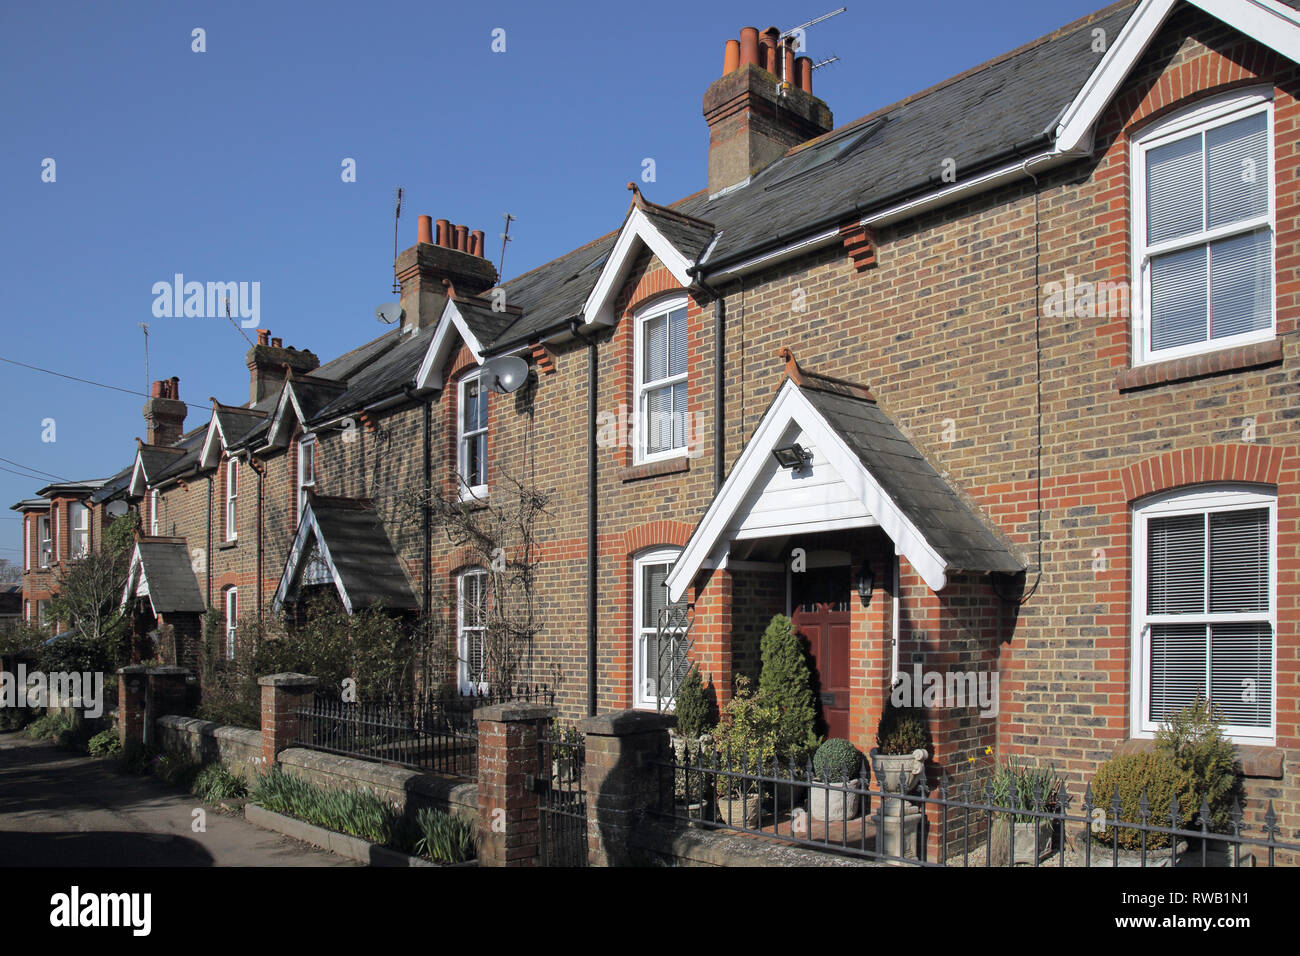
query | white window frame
(232,499)
(654,310)
(43,613)
(306,446)
(54,534)
(27,544)
(641,698)
(1218,111)
(462,645)
(463,437)
(44,542)
(232,622)
(1198,500)
(155,499)
(78,536)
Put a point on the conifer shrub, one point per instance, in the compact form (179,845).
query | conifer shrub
(785,684)
(694,715)
(1131,775)
(1193,738)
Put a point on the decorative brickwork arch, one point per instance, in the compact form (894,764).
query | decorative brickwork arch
(654,534)
(1213,72)
(1257,464)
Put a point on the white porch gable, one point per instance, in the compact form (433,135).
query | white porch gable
(836,490)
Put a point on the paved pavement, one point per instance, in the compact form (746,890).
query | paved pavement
(58,808)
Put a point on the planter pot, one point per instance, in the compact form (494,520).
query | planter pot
(826,802)
(564,769)
(890,769)
(739,812)
(1024,832)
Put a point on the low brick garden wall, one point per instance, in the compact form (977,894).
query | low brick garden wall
(238,748)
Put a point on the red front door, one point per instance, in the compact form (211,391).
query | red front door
(821,615)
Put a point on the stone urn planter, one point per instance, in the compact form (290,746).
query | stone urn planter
(891,768)
(828,802)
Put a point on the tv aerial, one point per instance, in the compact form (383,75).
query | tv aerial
(391,312)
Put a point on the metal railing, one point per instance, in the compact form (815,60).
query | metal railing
(435,733)
(899,821)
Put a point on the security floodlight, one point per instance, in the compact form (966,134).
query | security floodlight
(792,456)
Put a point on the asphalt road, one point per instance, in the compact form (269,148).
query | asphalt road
(61,809)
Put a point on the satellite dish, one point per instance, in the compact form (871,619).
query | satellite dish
(506,373)
(389,312)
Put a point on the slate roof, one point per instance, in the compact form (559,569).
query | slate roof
(113,486)
(236,422)
(362,553)
(950,525)
(689,235)
(30,504)
(979,118)
(975,118)
(191,446)
(165,564)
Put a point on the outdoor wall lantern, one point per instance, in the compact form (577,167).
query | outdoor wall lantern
(866,584)
(792,456)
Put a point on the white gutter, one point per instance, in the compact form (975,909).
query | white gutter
(905,210)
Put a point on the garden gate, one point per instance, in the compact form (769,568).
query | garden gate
(562,798)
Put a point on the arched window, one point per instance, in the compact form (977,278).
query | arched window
(1205,607)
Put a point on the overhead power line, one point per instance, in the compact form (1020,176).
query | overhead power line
(47,474)
(86,381)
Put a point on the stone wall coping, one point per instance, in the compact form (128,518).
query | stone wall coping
(700,847)
(623,723)
(288,680)
(168,670)
(519,711)
(209,728)
(402,779)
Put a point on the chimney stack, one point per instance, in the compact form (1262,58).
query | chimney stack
(761,107)
(268,362)
(455,254)
(164,413)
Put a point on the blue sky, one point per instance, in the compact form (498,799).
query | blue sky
(225,165)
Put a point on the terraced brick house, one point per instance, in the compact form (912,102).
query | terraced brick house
(992,380)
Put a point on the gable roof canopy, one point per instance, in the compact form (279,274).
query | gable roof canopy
(1270,22)
(304,396)
(475,321)
(864,473)
(162,571)
(342,541)
(676,238)
(151,461)
(228,426)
